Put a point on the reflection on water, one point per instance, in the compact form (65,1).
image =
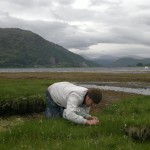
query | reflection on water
(142,91)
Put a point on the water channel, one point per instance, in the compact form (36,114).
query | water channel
(141,91)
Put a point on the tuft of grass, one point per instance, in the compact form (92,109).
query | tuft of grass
(61,134)
(22,96)
(22,105)
(140,133)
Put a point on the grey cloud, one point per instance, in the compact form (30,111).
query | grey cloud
(129,36)
(57,32)
(4,14)
(65,2)
(143,19)
(120,26)
(144,7)
(66,13)
(24,3)
(71,14)
(108,2)
(35,3)
(58,9)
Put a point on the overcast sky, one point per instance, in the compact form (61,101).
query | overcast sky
(91,28)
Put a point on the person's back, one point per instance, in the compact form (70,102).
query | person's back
(72,102)
(61,91)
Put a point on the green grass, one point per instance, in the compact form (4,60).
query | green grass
(22,95)
(23,87)
(61,134)
(25,95)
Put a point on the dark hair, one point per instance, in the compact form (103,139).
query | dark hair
(95,94)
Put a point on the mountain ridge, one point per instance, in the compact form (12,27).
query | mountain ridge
(23,48)
(125,61)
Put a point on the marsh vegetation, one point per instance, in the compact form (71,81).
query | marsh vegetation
(124,117)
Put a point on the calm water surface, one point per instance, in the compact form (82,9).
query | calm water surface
(93,69)
(141,91)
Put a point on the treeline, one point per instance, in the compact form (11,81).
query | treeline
(142,64)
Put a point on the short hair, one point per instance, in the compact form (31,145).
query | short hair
(95,94)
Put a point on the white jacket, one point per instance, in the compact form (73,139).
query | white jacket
(71,97)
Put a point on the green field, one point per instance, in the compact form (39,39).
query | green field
(61,134)
(22,96)
(125,125)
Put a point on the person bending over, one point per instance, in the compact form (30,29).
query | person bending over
(72,102)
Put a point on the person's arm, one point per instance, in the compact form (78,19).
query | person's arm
(84,112)
(71,111)
(91,120)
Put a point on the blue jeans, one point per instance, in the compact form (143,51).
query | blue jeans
(52,109)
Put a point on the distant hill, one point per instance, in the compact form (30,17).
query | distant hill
(125,62)
(21,48)
(105,60)
(108,61)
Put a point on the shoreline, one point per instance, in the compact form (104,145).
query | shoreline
(86,69)
(78,76)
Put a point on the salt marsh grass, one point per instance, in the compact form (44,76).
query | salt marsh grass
(61,134)
(22,96)
(21,91)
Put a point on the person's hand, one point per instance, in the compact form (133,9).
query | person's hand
(92,122)
(93,117)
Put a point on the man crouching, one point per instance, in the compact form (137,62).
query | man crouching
(72,102)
